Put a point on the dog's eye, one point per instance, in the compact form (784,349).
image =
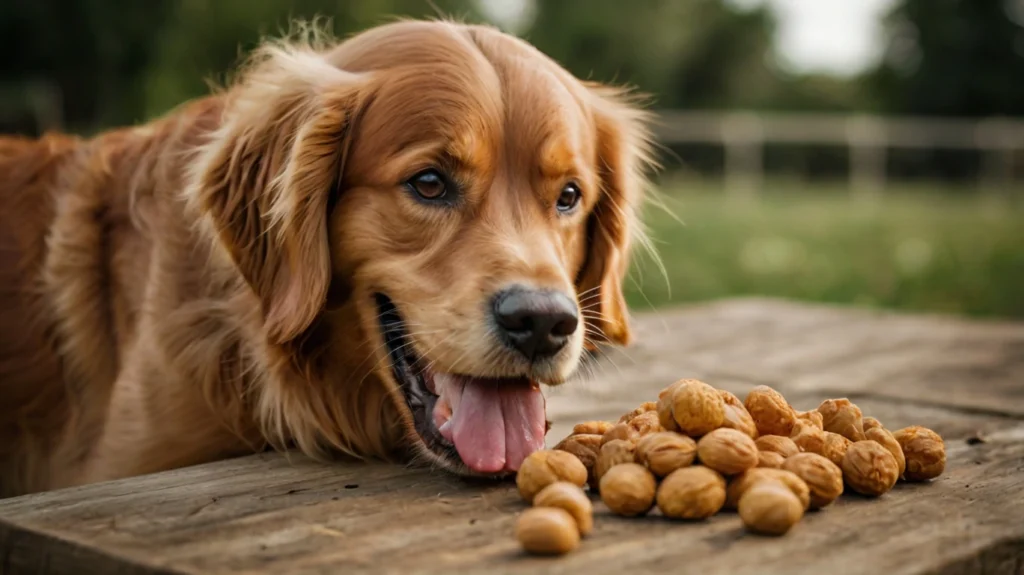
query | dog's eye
(429,185)
(569,198)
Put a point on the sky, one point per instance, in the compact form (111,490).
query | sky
(841,37)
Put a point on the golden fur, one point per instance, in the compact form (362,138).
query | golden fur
(201,286)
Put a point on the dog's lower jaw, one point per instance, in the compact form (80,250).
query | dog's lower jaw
(501,423)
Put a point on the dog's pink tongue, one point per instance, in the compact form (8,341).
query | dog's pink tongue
(496,425)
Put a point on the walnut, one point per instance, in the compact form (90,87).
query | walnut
(823,478)
(813,417)
(695,492)
(835,446)
(621,431)
(772,414)
(924,451)
(544,467)
(869,468)
(770,508)
(615,452)
(739,484)
(697,408)
(547,531)
(666,451)
(784,446)
(727,451)
(663,407)
(628,489)
(643,408)
(570,497)
(808,437)
(842,417)
(871,423)
(769,459)
(886,440)
(646,423)
(736,415)
(592,428)
(584,446)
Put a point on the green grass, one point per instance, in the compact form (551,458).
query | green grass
(920,249)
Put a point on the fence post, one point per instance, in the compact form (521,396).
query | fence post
(997,147)
(866,139)
(743,139)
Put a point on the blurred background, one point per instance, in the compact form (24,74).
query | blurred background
(861,152)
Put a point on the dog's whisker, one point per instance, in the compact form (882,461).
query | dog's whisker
(613,363)
(586,371)
(455,364)
(383,360)
(431,363)
(372,355)
(595,315)
(595,304)
(597,329)
(604,340)
(588,293)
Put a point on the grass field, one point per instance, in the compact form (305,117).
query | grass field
(918,248)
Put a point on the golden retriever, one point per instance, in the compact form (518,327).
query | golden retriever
(379,247)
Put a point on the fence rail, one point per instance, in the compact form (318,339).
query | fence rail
(743,135)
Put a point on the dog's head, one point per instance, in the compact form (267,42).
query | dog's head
(434,214)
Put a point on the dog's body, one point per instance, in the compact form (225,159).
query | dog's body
(96,256)
(304,258)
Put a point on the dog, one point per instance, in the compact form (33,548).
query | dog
(378,248)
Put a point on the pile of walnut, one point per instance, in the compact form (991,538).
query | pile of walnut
(699,449)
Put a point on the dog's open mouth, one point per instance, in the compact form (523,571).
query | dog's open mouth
(487,425)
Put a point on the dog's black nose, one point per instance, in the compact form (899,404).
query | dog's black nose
(538,323)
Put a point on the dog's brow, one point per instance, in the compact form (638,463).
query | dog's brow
(420,153)
(556,159)
(466,150)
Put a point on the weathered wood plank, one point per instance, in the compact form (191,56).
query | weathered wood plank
(967,365)
(271,514)
(262,513)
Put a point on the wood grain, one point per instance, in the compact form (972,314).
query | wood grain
(272,513)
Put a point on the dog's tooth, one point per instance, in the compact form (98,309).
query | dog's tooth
(446,430)
(443,407)
(442,383)
(441,380)
(442,413)
(449,389)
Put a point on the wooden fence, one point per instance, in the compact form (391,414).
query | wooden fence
(743,135)
(868,138)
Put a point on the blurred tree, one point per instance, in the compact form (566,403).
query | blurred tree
(90,52)
(116,62)
(953,57)
(204,39)
(699,53)
(949,58)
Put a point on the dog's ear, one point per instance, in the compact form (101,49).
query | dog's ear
(623,158)
(265,180)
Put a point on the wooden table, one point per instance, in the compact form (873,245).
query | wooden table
(272,514)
